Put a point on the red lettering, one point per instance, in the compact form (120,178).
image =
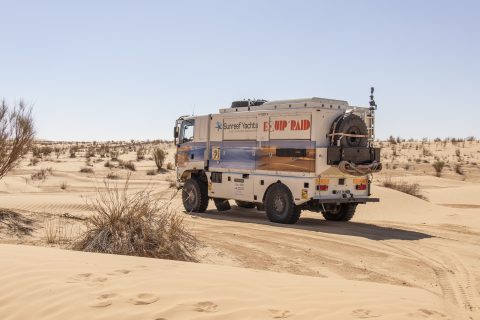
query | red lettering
(266,126)
(300,125)
(293,125)
(280,125)
(306,124)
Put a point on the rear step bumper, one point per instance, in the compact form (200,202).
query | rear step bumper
(345,200)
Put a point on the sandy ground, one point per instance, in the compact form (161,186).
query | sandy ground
(402,258)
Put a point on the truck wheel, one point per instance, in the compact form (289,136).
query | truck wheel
(222,204)
(279,205)
(245,204)
(343,212)
(195,195)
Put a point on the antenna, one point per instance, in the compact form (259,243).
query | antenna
(373,104)
(193,110)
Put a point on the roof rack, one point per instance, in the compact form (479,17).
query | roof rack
(293,104)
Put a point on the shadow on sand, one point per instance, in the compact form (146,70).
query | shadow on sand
(352,228)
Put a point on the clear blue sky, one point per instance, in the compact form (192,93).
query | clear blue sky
(101,70)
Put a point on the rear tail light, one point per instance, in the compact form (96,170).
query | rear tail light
(361,187)
(322,184)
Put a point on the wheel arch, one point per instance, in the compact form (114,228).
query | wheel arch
(188,174)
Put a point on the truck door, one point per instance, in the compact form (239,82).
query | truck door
(192,143)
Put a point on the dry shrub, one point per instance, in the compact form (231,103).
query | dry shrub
(42,174)
(16,135)
(36,152)
(135,224)
(15,224)
(86,170)
(159,157)
(114,155)
(438,166)
(58,230)
(46,150)
(90,153)
(64,185)
(169,166)
(426,152)
(129,165)
(34,161)
(151,172)
(73,151)
(58,151)
(459,169)
(140,154)
(112,176)
(108,164)
(405,187)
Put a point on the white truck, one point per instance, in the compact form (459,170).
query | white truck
(279,156)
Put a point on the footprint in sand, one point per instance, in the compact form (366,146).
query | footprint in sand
(89,278)
(103,300)
(84,275)
(120,271)
(364,314)
(79,277)
(99,279)
(123,271)
(144,298)
(280,314)
(205,306)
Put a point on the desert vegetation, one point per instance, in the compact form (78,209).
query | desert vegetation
(452,158)
(42,174)
(404,186)
(159,157)
(16,134)
(86,170)
(438,166)
(135,224)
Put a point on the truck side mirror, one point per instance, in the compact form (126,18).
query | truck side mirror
(175,132)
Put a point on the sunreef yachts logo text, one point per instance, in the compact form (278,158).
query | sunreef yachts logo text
(240,126)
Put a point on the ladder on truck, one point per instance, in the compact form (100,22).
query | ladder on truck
(370,122)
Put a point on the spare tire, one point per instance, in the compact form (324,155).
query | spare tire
(349,123)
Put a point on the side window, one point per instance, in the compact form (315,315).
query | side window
(188,127)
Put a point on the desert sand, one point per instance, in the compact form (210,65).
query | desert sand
(402,258)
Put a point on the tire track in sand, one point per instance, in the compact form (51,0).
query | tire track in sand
(453,276)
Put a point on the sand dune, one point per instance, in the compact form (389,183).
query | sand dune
(44,283)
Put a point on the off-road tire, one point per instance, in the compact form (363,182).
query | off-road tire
(344,212)
(295,216)
(245,204)
(279,205)
(351,124)
(195,195)
(222,204)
